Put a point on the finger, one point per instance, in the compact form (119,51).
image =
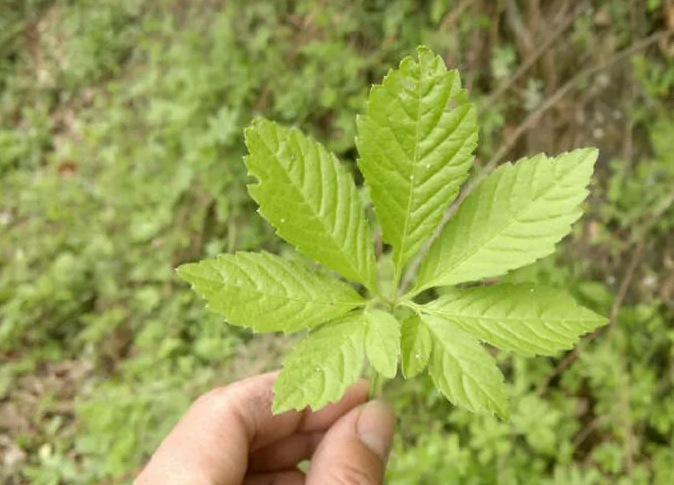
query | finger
(322,419)
(284,454)
(211,443)
(282,478)
(354,451)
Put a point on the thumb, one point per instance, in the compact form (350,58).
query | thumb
(355,449)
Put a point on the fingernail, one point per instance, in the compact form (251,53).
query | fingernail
(375,427)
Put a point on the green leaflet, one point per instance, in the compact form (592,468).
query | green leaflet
(382,342)
(416,346)
(515,217)
(310,198)
(267,293)
(415,143)
(322,366)
(523,318)
(464,371)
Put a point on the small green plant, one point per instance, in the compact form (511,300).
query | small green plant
(416,145)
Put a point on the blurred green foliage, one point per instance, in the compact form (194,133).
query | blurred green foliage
(120,157)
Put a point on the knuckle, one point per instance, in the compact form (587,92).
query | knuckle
(237,404)
(219,402)
(214,398)
(232,400)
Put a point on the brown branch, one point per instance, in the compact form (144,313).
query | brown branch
(587,430)
(532,59)
(550,102)
(452,16)
(660,209)
(628,425)
(625,283)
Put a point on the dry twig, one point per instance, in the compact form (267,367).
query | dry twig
(532,59)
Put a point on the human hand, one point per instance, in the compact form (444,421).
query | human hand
(230,437)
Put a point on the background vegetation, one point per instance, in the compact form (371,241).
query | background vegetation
(120,158)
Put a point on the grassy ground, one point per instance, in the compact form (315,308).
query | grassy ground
(120,158)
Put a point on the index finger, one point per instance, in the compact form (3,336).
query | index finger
(211,442)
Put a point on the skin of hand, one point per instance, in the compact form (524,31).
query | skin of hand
(229,436)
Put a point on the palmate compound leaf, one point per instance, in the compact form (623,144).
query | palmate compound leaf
(310,198)
(516,216)
(523,318)
(382,342)
(267,293)
(416,346)
(323,365)
(463,370)
(415,145)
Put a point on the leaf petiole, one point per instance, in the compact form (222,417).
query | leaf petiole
(410,295)
(409,304)
(376,384)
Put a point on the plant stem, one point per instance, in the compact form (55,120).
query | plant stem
(409,295)
(376,382)
(394,289)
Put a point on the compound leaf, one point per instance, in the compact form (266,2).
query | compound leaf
(322,366)
(524,318)
(382,342)
(416,346)
(415,143)
(515,217)
(310,198)
(463,370)
(267,293)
